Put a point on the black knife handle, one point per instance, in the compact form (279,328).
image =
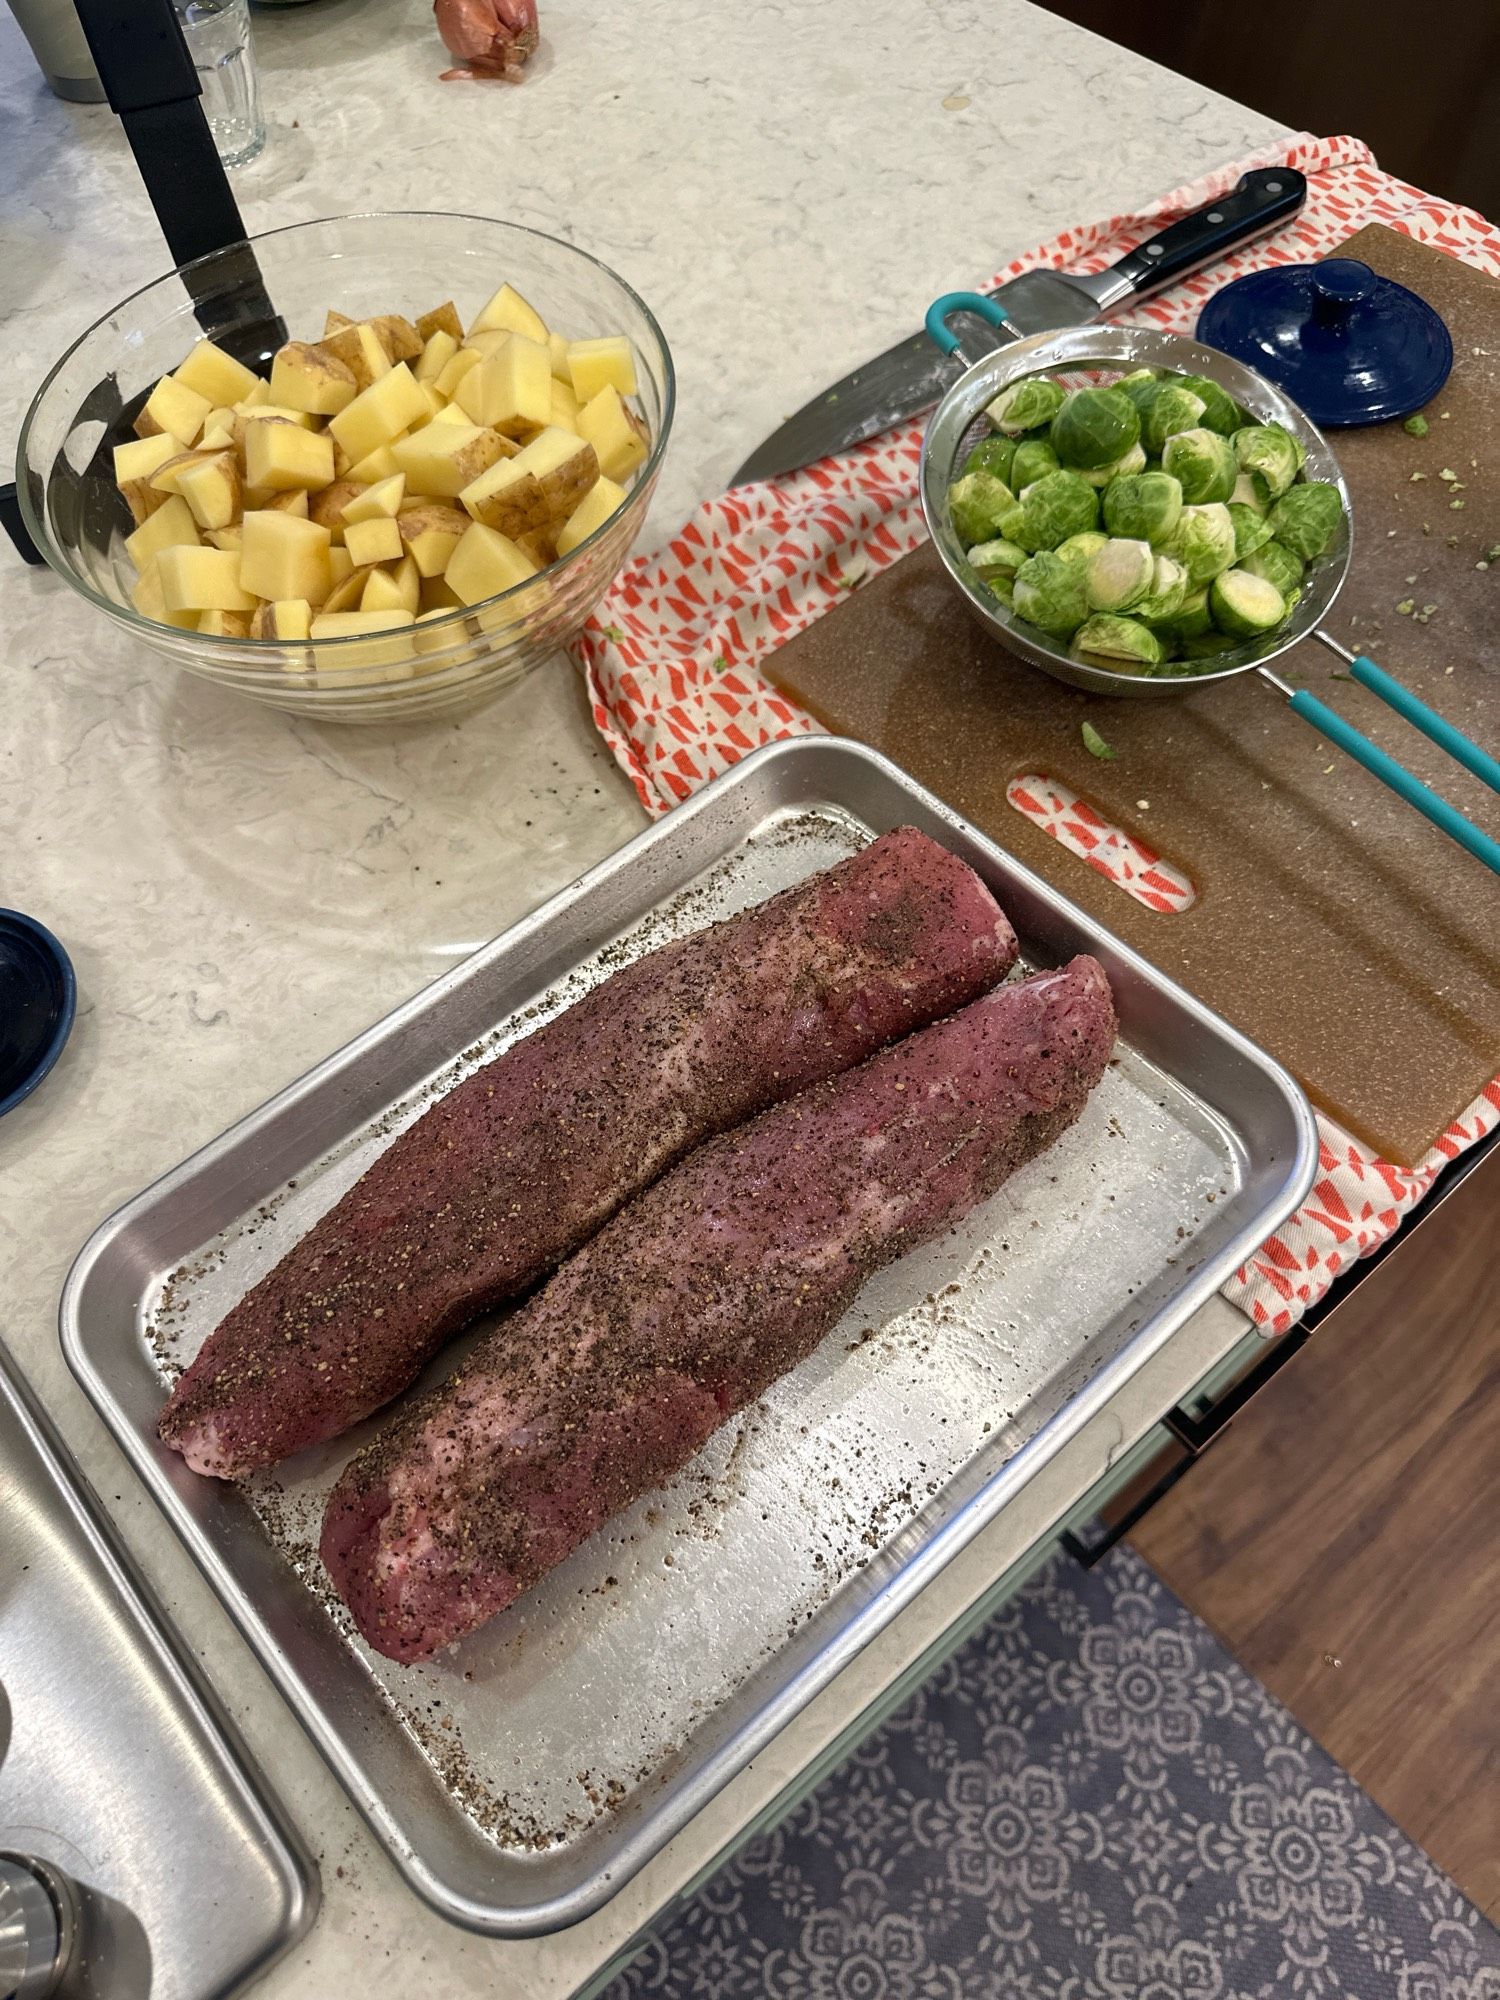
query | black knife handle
(1261,200)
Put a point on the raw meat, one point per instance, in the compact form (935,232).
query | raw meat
(691,1302)
(504,1176)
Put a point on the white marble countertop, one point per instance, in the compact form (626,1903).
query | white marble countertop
(241,892)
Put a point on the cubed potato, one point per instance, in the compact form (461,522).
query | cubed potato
(605,422)
(146,596)
(170,471)
(284,557)
(442,319)
(374,541)
(347,592)
(597,364)
(280,413)
(486,344)
(564,465)
(436,354)
(141,497)
(225,624)
(455,368)
(509,310)
(438,594)
(539,546)
(450,413)
(542,484)
(511,389)
(216,437)
(429,533)
(557,358)
(362,352)
(378,415)
(398,336)
(173,408)
(565,406)
(440,641)
(395,589)
(382,499)
(436,404)
(289,618)
(307,377)
(334,321)
(292,501)
(506,497)
(340,563)
(378,465)
(256,398)
(345,624)
(590,514)
(441,459)
(202,580)
(170,526)
(142,457)
(214,490)
(225,538)
(280,456)
(210,372)
(327,505)
(484,563)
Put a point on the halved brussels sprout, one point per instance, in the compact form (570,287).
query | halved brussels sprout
(1049,594)
(990,560)
(1251,530)
(1202,463)
(1025,406)
(1251,490)
(1053,507)
(1190,617)
(1143,507)
(1277,564)
(1221,412)
(1003,588)
(1207,648)
(992,454)
(1305,519)
(1133,461)
(1244,606)
(1034,459)
(1172,409)
(1272,452)
(1078,548)
(1119,575)
(1203,541)
(1168,592)
(1094,427)
(1118,644)
(978,503)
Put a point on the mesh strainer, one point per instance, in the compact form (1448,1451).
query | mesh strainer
(1101,354)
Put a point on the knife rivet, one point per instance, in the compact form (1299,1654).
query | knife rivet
(1154,249)
(1215,215)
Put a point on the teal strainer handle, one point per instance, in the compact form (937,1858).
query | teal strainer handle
(1431,724)
(938,330)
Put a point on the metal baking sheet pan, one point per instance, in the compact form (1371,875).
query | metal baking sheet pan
(522,1777)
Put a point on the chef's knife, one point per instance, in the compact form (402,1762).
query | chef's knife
(913,375)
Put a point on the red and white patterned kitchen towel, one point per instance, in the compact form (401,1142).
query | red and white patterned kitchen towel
(671,655)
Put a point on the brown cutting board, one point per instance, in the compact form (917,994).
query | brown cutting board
(1332,924)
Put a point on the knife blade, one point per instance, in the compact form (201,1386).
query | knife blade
(913,375)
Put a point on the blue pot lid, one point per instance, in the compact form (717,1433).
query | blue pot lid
(37,997)
(1346,344)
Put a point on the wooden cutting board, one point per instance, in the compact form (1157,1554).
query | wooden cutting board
(1332,924)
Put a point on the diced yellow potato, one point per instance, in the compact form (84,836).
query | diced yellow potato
(307,377)
(225,624)
(429,533)
(605,422)
(255,398)
(362,352)
(214,490)
(216,437)
(210,372)
(486,344)
(511,389)
(597,364)
(142,457)
(288,618)
(455,368)
(373,541)
(280,456)
(340,564)
(224,538)
(438,594)
(174,408)
(345,624)
(292,501)
(284,557)
(590,514)
(506,497)
(378,465)
(202,580)
(334,321)
(565,405)
(441,459)
(450,413)
(436,405)
(348,589)
(436,642)
(280,413)
(442,319)
(384,498)
(378,415)
(557,358)
(257,497)
(484,563)
(509,310)
(543,483)
(170,526)
(539,546)
(398,336)
(438,352)
(327,505)
(394,589)
(146,596)
(167,474)
(564,465)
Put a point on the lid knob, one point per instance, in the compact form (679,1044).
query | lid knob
(38,1927)
(1339,284)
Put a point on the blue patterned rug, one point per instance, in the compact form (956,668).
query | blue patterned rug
(1090,1801)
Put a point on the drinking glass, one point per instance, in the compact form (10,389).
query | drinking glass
(218,39)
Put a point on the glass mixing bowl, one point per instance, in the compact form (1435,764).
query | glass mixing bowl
(363,265)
